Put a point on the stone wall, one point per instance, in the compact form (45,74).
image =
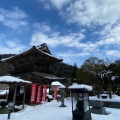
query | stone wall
(110,104)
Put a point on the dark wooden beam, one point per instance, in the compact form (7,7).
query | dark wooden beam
(14,97)
(24,96)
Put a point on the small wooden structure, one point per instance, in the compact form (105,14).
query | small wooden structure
(10,80)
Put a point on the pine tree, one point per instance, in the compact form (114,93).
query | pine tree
(74,72)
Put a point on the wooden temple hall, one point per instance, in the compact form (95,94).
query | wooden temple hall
(32,65)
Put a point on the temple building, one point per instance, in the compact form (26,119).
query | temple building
(33,65)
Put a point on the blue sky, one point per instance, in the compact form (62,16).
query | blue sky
(74,30)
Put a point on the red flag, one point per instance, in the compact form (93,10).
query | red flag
(33,93)
(44,93)
(55,92)
(39,94)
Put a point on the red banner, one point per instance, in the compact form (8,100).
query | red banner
(44,93)
(33,93)
(55,92)
(39,94)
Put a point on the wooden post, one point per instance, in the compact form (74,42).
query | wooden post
(14,98)
(109,93)
(72,103)
(24,96)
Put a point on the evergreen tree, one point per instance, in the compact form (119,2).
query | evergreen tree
(3,69)
(74,72)
(61,69)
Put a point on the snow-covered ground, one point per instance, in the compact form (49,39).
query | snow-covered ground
(52,111)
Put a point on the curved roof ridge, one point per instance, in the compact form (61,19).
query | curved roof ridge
(43,47)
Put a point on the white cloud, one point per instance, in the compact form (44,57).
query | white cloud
(39,38)
(1,17)
(42,27)
(47,6)
(59,3)
(6,50)
(55,39)
(93,12)
(75,41)
(89,14)
(110,36)
(14,19)
(11,43)
(113,53)
(10,46)
(48,34)
(71,57)
(56,3)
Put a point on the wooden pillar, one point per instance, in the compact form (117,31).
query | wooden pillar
(72,103)
(72,99)
(14,97)
(23,102)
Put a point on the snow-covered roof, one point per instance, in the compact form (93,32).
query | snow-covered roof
(62,86)
(3,92)
(48,54)
(12,79)
(7,58)
(56,83)
(80,86)
(43,47)
(34,48)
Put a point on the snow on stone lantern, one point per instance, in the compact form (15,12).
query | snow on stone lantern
(81,111)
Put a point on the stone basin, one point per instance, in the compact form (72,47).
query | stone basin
(97,104)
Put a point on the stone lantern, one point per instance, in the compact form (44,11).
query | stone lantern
(81,111)
(62,93)
(56,85)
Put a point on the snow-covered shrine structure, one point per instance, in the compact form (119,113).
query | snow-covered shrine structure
(33,65)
